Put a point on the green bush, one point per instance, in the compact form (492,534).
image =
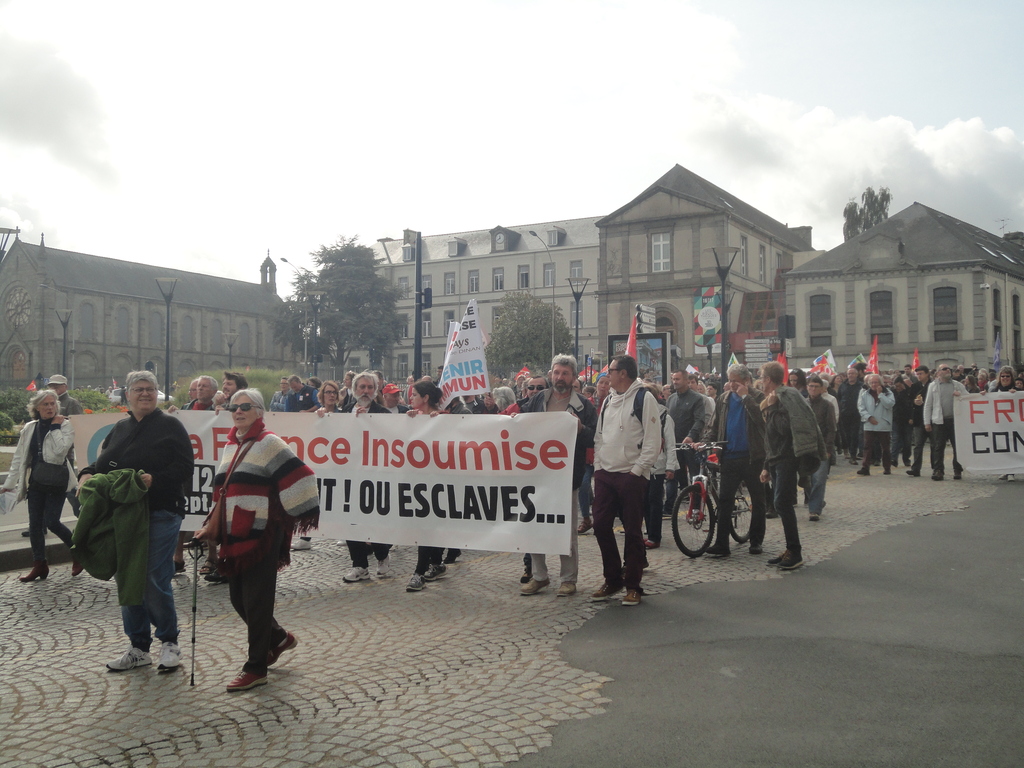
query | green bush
(6,423)
(14,402)
(94,401)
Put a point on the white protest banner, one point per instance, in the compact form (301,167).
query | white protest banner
(465,367)
(990,432)
(474,482)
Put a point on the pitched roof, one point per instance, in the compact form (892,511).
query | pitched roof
(682,182)
(919,237)
(98,274)
(578,233)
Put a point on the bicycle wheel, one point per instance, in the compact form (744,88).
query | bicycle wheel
(693,522)
(740,523)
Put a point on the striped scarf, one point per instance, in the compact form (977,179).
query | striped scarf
(270,490)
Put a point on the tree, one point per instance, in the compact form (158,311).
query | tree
(357,306)
(522,335)
(873,210)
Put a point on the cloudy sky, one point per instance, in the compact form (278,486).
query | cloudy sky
(203,134)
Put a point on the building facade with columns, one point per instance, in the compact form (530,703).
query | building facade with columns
(118,315)
(920,279)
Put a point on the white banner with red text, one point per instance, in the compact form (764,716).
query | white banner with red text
(474,482)
(990,432)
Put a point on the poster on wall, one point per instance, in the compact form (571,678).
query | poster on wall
(653,351)
(707,317)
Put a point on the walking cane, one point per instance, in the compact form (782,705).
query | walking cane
(195,551)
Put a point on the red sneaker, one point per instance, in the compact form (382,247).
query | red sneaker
(289,642)
(245,681)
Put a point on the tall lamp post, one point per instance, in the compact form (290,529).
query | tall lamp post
(728,252)
(548,251)
(231,337)
(314,302)
(167,286)
(577,285)
(64,316)
(314,297)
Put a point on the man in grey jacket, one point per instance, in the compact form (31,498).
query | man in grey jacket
(687,408)
(938,420)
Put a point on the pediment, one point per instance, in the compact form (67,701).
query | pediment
(658,205)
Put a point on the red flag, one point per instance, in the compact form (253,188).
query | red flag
(873,357)
(785,367)
(631,343)
(917,360)
(31,386)
(524,372)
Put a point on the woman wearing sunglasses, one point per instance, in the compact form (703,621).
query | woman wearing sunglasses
(263,494)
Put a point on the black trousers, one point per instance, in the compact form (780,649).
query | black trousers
(359,551)
(736,471)
(940,434)
(252,596)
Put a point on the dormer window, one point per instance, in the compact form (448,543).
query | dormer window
(408,252)
(455,246)
(555,236)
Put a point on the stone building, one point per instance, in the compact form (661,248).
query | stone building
(118,315)
(658,250)
(919,279)
(483,265)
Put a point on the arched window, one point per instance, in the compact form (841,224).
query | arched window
(944,314)
(217,337)
(87,322)
(123,318)
(188,333)
(244,340)
(19,366)
(881,316)
(156,329)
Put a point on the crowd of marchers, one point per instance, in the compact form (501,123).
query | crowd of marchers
(775,432)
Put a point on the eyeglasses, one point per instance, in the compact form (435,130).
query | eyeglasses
(530,389)
(613,370)
(141,390)
(244,407)
(330,391)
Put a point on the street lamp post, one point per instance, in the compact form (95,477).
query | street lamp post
(64,315)
(314,297)
(728,252)
(166,286)
(548,251)
(231,337)
(577,285)
(314,302)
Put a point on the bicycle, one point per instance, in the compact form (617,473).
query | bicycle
(695,515)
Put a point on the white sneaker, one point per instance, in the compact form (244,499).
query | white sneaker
(356,574)
(415,583)
(299,545)
(130,659)
(170,657)
(384,568)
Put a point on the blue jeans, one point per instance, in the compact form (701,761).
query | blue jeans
(784,484)
(586,491)
(816,496)
(44,510)
(157,607)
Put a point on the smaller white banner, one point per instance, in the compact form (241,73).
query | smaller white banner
(990,432)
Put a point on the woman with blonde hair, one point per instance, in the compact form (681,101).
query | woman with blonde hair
(42,473)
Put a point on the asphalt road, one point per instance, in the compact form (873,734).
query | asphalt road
(903,649)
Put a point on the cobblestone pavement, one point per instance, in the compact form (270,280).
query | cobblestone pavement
(465,673)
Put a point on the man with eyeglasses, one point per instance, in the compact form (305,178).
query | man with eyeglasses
(689,413)
(625,449)
(563,397)
(918,392)
(938,420)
